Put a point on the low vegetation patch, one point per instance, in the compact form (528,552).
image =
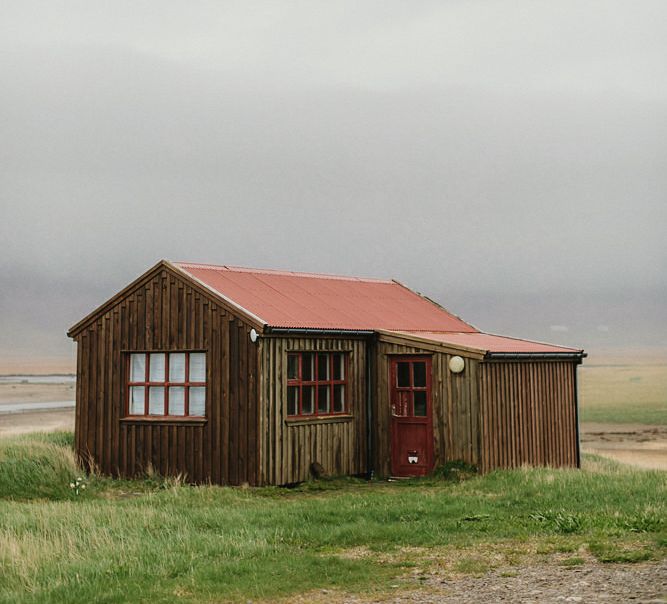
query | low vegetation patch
(160,540)
(623,392)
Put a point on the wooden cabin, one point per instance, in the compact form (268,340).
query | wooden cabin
(234,375)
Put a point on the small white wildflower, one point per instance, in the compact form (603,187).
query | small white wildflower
(83,486)
(71,485)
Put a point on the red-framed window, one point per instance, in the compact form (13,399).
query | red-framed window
(411,382)
(317,383)
(166,384)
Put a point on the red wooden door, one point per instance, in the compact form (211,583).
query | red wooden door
(411,413)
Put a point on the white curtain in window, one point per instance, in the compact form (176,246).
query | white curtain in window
(156,401)
(197,367)
(157,367)
(138,367)
(177,400)
(137,400)
(197,401)
(177,367)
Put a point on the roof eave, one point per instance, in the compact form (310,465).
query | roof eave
(324,331)
(417,341)
(437,304)
(572,355)
(254,320)
(251,317)
(73,331)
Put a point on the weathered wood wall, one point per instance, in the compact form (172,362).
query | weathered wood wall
(455,401)
(166,313)
(528,414)
(289,447)
(493,415)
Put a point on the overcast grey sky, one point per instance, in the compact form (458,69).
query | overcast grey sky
(506,158)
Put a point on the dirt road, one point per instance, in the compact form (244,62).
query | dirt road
(36,421)
(635,444)
(543,582)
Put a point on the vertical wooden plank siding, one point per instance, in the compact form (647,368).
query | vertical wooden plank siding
(493,415)
(528,414)
(165,313)
(456,412)
(289,448)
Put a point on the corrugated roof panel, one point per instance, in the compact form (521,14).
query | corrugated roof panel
(314,301)
(491,343)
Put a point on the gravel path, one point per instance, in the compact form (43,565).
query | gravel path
(591,583)
(544,584)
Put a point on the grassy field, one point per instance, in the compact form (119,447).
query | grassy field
(157,540)
(624,389)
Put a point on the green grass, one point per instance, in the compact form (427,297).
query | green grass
(575,561)
(623,391)
(160,541)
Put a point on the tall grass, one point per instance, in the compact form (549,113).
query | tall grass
(161,541)
(37,466)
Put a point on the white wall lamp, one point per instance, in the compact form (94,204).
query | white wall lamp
(456,364)
(253,335)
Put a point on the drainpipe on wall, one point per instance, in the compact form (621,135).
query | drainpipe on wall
(576,410)
(370,355)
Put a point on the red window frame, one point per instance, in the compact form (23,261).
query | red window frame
(166,384)
(317,383)
(406,406)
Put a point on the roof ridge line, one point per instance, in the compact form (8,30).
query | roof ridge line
(475,330)
(286,273)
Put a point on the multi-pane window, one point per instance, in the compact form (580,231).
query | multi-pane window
(167,384)
(411,386)
(316,383)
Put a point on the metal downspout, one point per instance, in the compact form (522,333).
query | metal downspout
(370,450)
(576,410)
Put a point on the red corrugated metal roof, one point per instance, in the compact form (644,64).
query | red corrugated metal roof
(488,342)
(313,301)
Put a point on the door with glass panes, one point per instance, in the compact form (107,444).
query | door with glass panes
(411,415)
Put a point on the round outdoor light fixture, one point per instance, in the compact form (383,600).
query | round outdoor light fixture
(456,364)
(253,335)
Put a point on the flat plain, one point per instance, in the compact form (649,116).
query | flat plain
(623,407)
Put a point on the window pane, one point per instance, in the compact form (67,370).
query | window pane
(292,400)
(292,366)
(323,396)
(419,370)
(177,367)
(307,369)
(156,400)
(177,400)
(138,367)
(322,367)
(338,367)
(420,403)
(157,367)
(137,396)
(308,403)
(198,401)
(403,374)
(339,398)
(198,367)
